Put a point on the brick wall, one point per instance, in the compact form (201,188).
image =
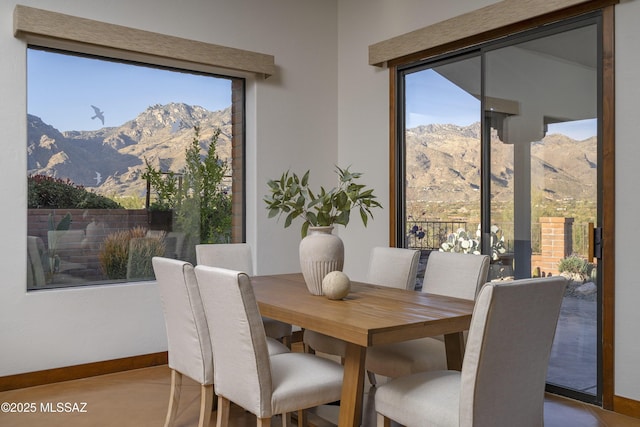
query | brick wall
(79,249)
(556,243)
(112,219)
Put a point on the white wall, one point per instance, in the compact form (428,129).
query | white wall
(627,302)
(292,125)
(324,106)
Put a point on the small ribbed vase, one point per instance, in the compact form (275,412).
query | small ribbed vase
(321,252)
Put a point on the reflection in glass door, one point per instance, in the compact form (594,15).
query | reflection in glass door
(541,104)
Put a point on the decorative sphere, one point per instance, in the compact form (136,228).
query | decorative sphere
(336,285)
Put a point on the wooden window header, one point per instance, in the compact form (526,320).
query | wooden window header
(60,31)
(490,22)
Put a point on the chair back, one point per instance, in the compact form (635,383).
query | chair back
(36,259)
(243,372)
(234,256)
(393,267)
(455,275)
(505,364)
(140,257)
(173,240)
(187,330)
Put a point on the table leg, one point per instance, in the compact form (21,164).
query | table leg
(352,386)
(454,344)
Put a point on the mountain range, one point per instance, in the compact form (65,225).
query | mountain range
(111,160)
(443,161)
(443,164)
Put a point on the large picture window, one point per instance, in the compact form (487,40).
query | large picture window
(127,161)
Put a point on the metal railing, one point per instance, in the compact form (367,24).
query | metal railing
(429,235)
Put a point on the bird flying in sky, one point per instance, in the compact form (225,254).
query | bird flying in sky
(99,114)
(98,178)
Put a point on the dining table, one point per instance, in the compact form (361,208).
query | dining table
(367,316)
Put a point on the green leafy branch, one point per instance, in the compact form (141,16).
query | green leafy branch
(165,185)
(291,196)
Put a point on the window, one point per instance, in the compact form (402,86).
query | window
(113,45)
(127,161)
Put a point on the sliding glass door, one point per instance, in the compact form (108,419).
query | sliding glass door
(544,178)
(500,151)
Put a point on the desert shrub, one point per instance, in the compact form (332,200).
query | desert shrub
(54,193)
(201,204)
(141,252)
(131,201)
(165,186)
(575,266)
(114,256)
(205,210)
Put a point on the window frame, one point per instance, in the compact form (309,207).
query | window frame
(65,32)
(455,46)
(83,37)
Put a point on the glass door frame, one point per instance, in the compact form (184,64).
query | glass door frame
(605,140)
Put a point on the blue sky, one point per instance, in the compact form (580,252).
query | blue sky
(453,105)
(62,88)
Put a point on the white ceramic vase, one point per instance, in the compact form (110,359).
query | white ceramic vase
(321,252)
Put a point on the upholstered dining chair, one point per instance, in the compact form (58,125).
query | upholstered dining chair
(237,256)
(503,375)
(187,334)
(188,339)
(245,373)
(393,267)
(447,273)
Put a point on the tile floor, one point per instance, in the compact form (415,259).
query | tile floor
(573,363)
(139,398)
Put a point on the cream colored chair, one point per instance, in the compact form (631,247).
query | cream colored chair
(64,245)
(447,273)
(393,267)
(504,371)
(245,373)
(237,256)
(188,339)
(142,250)
(187,334)
(37,259)
(174,242)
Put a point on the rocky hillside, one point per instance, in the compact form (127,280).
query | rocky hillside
(111,160)
(443,161)
(443,164)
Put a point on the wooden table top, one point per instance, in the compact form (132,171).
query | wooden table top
(369,315)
